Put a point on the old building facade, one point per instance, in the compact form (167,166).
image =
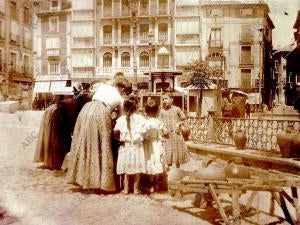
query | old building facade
(292,88)
(52,47)
(135,37)
(16,51)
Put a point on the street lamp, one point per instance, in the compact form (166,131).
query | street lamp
(133,9)
(150,36)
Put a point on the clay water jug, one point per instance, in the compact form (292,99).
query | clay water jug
(236,169)
(240,140)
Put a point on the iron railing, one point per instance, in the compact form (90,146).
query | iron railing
(261,134)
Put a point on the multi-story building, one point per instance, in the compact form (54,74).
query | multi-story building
(292,88)
(52,47)
(237,38)
(16,50)
(138,36)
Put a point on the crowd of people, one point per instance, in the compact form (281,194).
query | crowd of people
(104,142)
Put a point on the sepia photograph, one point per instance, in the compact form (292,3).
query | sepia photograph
(149,112)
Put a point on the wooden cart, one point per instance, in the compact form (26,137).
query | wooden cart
(268,181)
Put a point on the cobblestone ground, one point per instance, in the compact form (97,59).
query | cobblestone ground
(30,195)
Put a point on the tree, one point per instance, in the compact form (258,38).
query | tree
(201,75)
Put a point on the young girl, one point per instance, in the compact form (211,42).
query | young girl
(131,158)
(153,144)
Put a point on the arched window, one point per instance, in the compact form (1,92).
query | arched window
(144,59)
(107,60)
(125,59)
(107,34)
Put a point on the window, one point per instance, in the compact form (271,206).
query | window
(26,16)
(1,60)
(215,12)
(13,10)
(215,38)
(144,5)
(107,7)
(2,37)
(52,42)
(125,59)
(246,57)
(107,34)
(163,32)
(2,6)
(144,33)
(163,6)
(53,24)
(216,61)
(125,33)
(53,67)
(125,8)
(246,78)
(246,12)
(26,65)
(107,60)
(246,33)
(144,59)
(13,61)
(54,5)
(163,61)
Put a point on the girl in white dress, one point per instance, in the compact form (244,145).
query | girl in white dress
(154,152)
(131,157)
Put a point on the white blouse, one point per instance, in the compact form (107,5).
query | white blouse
(109,95)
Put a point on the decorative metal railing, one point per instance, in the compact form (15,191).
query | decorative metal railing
(198,129)
(261,134)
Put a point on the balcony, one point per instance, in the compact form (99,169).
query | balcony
(162,36)
(107,39)
(144,11)
(163,9)
(144,37)
(246,62)
(107,12)
(125,39)
(53,52)
(215,45)
(125,11)
(14,39)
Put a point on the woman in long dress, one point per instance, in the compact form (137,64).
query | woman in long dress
(91,160)
(47,144)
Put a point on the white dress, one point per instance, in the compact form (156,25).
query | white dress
(131,157)
(154,147)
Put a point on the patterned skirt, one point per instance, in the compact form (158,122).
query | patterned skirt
(175,149)
(91,159)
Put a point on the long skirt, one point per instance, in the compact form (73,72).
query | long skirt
(91,159)
(44,150)
(175,149)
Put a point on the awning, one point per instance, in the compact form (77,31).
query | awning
(41,87)
(253,98)
(60,88)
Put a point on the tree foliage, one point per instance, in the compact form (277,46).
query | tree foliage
(200,74)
